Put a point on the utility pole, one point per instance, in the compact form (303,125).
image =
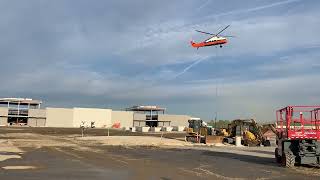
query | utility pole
(215,122)
(216,116)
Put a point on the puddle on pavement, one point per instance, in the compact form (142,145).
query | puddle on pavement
(6,157)
(18,167)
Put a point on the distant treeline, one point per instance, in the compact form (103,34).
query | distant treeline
(219,123)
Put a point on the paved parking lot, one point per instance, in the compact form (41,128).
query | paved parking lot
(28,155)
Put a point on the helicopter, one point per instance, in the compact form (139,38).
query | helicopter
(214,40)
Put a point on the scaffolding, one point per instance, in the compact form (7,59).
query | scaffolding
(18,109)
(299,122)
(151,115)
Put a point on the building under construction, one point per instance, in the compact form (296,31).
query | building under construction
(28,112)
(21,111)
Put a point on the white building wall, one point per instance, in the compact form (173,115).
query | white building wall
(3,121)
(139,116)
(37,113)
(176,120)
(125,118)
(59,117)
(3,111)
(36,122)
(101,117)
(3,116)
(63,117)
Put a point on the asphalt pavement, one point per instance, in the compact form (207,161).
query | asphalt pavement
(94,161)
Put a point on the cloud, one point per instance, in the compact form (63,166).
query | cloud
(248,10)
(189,67)
(119,53)
(258,35)
(203,5)
(167,43)
(259,98)
(292,64)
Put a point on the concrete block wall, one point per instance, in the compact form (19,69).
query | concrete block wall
(59,117)
(179,128)
(125,118)
(142,129)
(37,117)
(3,116)
(72,117)
(37,113)
(176,120)
(139,123)
(167,129)
(164,124)
(63,117)
(138,119)
(155,129)
(139,116)
(101,117)
(3,112)
(37,122)
(3,121)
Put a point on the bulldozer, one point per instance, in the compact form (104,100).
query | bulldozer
(197,131)
(249,130)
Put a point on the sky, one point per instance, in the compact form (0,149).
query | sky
(119,53)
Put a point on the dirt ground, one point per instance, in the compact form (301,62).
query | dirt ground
(88,132)
(60,153)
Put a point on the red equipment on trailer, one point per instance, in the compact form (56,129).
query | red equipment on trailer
(298,135)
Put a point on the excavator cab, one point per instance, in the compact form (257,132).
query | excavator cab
(196,131)
(249,130)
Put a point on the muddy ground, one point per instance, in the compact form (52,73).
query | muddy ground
(58,153)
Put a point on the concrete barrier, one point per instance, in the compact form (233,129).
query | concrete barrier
(127,128)
(238,141)
(167,129)
(155,129)
(178,128)
(143,129)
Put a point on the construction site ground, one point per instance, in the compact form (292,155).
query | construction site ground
(61,153)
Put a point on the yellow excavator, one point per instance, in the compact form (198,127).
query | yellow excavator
(249,130)
(197,131)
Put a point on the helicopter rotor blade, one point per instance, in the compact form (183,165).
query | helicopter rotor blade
(227,36)
(205,32)
(222,30)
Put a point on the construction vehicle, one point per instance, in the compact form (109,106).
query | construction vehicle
(298,136)
(222,132)
(197,131)
(249,130)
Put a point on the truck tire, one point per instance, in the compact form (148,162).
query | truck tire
(288,160)
(190,139)
(203,140)
(266,143)
(276,155)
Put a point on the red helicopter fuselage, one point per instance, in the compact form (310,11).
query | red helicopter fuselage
(213,41)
